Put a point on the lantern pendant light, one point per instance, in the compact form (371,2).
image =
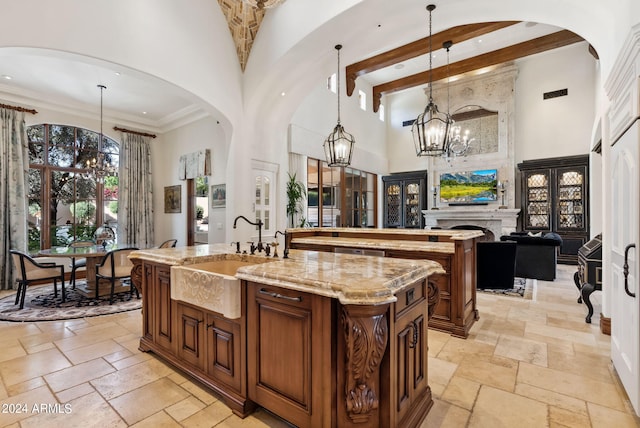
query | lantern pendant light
(431,128)
(338,147)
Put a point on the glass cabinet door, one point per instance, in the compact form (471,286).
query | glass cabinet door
(570,198)
(412,208)
(393,201)
(537,194)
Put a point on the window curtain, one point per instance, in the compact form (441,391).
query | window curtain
(135,192)
(14,167)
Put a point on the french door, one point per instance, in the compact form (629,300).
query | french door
(625,293)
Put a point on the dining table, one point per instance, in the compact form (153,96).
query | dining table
(93,254)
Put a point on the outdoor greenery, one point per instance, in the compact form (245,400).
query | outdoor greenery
(58,155)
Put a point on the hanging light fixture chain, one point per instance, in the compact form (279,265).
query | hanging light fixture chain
(430,8)
(338,47)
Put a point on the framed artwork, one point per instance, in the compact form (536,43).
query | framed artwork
(172,199)
(218,195)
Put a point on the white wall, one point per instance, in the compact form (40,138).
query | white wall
(165,154)
(317,115)
(558,126)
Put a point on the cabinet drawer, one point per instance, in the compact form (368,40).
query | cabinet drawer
(409,297)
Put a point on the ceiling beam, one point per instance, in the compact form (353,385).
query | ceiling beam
(419,47)
(510,53)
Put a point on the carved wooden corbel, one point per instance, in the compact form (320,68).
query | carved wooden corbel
(433,298)
(136,275)
(366,335)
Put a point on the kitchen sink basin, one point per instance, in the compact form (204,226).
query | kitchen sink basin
(210,285)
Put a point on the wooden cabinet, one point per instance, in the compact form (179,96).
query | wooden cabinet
(404,198)
(190,334)
(204,344)
(225,350)
(554,198)
(409,349)
(289,348)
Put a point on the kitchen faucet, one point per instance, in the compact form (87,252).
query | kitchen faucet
(258,223)
(286,250)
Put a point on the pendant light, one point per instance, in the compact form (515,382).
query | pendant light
(98,168)
(338,147)
(431,128)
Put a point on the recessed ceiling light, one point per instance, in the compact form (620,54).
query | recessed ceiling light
(283,93)
(144,112)
(6,77)
(117,73)
(398,66)
(479,40)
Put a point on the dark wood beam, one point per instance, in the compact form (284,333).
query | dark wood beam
(510,53)
(419,47)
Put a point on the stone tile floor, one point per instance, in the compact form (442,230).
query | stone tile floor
(526,363)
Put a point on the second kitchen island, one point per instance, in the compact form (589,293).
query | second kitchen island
(320,339)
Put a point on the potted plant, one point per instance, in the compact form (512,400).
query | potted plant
(296,193)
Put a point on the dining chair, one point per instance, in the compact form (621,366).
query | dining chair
(170,243)
(28,270)
(115,265)
(78,263)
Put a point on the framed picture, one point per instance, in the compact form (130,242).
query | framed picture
(218,195)
(172,199)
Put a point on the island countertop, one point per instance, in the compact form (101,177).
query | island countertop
(416,234)
(378,244)
(352,279)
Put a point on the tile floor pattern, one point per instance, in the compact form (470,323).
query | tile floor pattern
(527,363)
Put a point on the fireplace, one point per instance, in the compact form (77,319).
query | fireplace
(496,221)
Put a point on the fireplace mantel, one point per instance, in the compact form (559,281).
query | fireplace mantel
(498,221)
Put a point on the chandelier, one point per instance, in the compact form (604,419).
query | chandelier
(99,167)
(434,132)
(338,147)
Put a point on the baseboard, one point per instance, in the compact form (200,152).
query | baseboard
(605,325)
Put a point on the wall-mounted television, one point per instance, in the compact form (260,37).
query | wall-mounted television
(469,187)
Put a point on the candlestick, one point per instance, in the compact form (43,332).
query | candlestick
(434,190)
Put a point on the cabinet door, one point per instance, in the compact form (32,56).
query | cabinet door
(163,333)
(288,353)
(190,334)
(224,358)
(537,196)
(393,204)
(570,191)
(411,345)
(413,204)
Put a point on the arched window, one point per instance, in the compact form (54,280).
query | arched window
(66,201)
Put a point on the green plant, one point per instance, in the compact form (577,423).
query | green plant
(296,193)
(83,211)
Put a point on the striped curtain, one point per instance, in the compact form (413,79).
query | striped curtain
(14,167)
(135,192)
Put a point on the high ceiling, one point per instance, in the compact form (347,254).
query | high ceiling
(69,82)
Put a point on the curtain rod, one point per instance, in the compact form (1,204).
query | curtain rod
(128,131)
(26,110)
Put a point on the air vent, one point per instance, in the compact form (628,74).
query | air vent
(555,94)
(408,122)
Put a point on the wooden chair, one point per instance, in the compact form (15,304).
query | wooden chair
(115,265)
(171,243)
(28,270)
(78,263)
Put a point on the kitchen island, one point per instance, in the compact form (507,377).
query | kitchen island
(320,339)
(453,292)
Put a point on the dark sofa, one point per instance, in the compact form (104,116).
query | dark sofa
(536,256)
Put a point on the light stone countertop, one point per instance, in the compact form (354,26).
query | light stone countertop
(453,234)
(352,279)
(379,244)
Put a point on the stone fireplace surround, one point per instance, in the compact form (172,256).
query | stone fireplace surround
(498,221)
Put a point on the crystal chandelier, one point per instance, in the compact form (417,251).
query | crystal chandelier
(338,147)
(98,168)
